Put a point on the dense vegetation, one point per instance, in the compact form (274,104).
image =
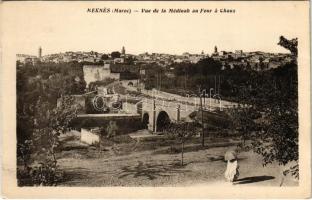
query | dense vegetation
(187,78)
(46,82)
(40,121)
(271,122)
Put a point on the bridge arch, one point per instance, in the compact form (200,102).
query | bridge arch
(162,121)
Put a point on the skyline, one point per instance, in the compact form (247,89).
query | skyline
(70,28)
(108,52)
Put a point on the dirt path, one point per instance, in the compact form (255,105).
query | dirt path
(158,168)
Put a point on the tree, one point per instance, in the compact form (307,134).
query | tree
(115,54)
(243,121)
(39,120)
(104,57)
(105,82)
(291,45)
(209,66)
(48,125)
(272,97)
(274,134)
(181,131)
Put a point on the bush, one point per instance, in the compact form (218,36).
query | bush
(112,129)
(42,174)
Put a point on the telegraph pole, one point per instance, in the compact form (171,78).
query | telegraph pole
(154,116)
(215,80)
(202,120)
(160,81)
(219,86)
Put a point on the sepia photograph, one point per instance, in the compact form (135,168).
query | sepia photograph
(157,95)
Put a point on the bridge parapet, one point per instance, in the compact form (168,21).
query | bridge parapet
(174,106)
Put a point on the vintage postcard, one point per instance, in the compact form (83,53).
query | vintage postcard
(142,99)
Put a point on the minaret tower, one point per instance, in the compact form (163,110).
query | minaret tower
(39,52)
(215,49)
(123,51)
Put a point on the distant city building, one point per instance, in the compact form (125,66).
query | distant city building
(40,52)
(238,53)
(119,60)
(123,51)
(26,59)
(89,59)
(215,52)
(222,53)
(178,60)
(186,54)
(195,59)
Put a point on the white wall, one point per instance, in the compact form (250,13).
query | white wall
(89,137)
(130,108)
(93,73)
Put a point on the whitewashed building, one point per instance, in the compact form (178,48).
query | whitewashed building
(94,73)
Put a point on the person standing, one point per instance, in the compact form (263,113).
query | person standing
(231,173)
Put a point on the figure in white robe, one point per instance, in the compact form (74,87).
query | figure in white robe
(231,174)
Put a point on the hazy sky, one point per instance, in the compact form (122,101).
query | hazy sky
(61,26)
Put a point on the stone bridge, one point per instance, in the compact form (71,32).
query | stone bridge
(159,108)
(156,113)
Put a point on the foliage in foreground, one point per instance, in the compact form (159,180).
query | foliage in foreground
(270,119)
(40,121)
(39,153)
